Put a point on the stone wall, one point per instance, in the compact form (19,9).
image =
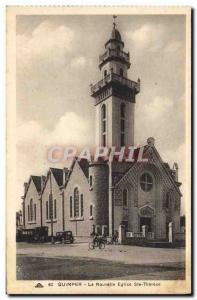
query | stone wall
(80,226)
(57,222)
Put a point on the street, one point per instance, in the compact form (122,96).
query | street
(77,262)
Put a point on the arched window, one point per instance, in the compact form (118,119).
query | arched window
(47,210)
(28,213)
(50,207)
(122,124)
(105,73)
(90,180)
(71,207)
(121,72)
(76,202)
(31,210)
(125,198)
(146,182)
(35,212)
(103,124)
(91,210)
(103,111)
(81,205)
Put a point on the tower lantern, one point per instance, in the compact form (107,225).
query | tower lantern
(114,95)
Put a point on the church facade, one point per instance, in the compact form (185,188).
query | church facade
(103,195)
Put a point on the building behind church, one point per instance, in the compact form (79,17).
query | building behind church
(103,195)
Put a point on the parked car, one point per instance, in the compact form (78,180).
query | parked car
(37,234)
(64,237)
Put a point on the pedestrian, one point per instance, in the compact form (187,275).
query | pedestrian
(115,237)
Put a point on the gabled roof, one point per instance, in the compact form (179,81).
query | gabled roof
(37,182)
(84,165)
(58,175)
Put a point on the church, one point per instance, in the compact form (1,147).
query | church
(103,195)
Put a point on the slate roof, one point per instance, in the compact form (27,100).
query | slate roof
(84,165)
(59,174)
(37,182)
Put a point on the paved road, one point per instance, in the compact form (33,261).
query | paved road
(75,262)
(74,268)
(119,253)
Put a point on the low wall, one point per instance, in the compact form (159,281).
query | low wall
(180,236)
(135,241)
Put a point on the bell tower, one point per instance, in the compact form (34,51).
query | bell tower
(115,95)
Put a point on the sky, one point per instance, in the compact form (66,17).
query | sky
(57,60)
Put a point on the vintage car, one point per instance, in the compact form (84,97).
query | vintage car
(64,237)
(37,234)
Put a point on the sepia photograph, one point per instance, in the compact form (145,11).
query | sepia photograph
(99,143)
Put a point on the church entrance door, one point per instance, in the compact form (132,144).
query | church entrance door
(146,221)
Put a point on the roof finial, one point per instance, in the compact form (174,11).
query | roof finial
(114,23)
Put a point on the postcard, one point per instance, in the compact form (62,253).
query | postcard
(98,150)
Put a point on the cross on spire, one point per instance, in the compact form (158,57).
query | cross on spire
(114,23)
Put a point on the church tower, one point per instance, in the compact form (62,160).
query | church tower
(114,95)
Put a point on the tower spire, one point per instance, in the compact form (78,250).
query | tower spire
(114,95)
(114,21)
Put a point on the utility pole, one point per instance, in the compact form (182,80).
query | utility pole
(51,208)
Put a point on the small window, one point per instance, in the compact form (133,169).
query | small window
(81,205)
(103,123)
(146,182)
(47,210)
(104,140)
(104,126)
(122,141)
(121,72)
(105,73)
(50,207)
(103,111)
(125,198)
(71,208)
(91,210)
(90,180)
(76,202)
(28,213)
(35,212)
(31,210)
(122,125)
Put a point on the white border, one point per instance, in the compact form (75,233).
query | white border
(3,3)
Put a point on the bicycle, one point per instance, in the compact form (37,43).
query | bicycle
(98,243)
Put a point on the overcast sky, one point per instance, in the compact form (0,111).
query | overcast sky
(57,60)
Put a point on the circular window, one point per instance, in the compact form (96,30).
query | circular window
(146,182)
